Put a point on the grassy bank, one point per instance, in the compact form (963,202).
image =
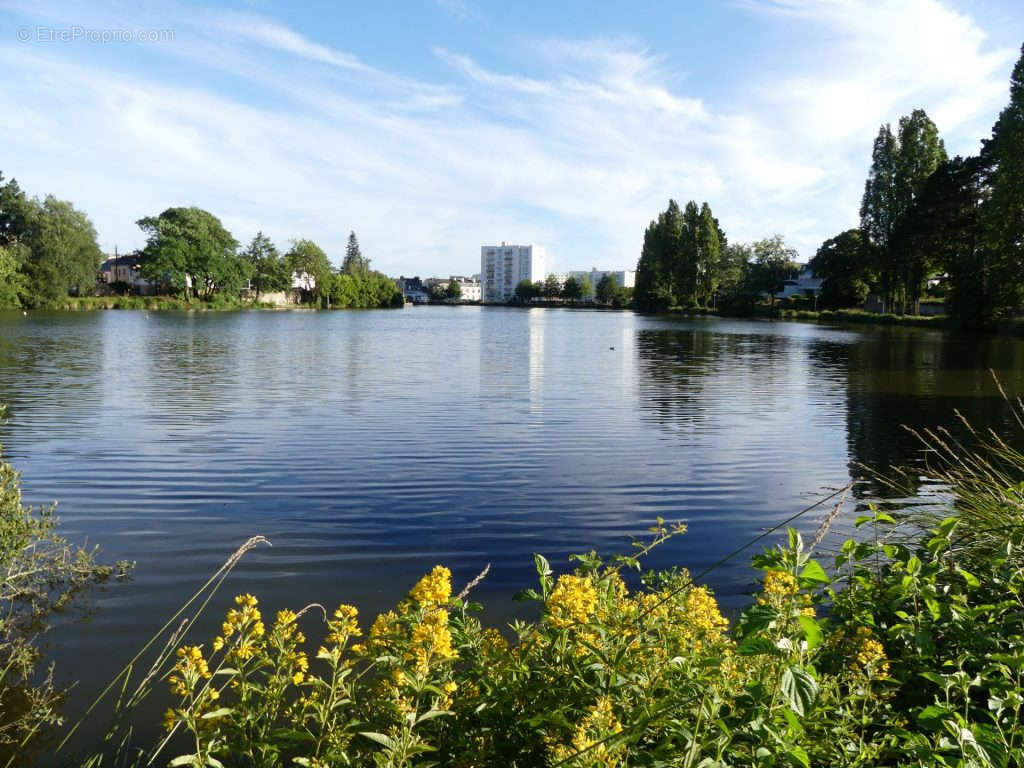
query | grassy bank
(152,303)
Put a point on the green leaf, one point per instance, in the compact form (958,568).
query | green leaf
(184,760)
(812,632)
(526,594)
(543,566)
(380,738)
(970,578)
(213,762)
(932,716)
(431,715)
(799,689)
(798,756)
(814,572)
(217,713)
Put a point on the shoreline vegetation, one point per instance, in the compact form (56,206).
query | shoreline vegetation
(904,644)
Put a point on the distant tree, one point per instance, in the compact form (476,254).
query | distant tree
(572,291)
(708,256)
(307,261)
(552,287)
(453,291)
(354,263)
(525,291)
(188,250)
(733,267)
(12,281)
(774,261)
(842,265)
(681,260)
(900,165)
(62,251)
(1003,211)
(15,209)
(269,271)
(607,289)
(586,289)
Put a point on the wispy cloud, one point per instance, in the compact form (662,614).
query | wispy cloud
(272,129)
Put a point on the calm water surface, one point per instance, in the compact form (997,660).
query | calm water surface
(368,446)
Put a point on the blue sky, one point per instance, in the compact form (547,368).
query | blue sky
(431,127)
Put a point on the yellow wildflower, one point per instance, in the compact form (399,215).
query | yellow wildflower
(870,654)
(572,601)
(170,719)
(435,588)
(431,640)
(779,584)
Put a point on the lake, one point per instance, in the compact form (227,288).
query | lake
(368,446)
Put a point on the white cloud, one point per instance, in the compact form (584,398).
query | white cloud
(578,154)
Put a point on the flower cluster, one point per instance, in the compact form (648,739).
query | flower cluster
(869,654)
(433,589)
(591,739)
(431,641)
(247,623)
(572,601)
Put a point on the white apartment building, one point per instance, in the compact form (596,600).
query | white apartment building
(503,267)
(626,278)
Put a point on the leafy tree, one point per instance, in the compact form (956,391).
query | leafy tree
(733,266)
(12,281)
(454,290)
(586,289)
(525,291)
(372,290)
(1003,211)
(607,289)
(708,241)
(552,287)
(188,250)
(307,261)
(437,291)
(62,251)
(572,291)
(680,262)
(14,212)
(354,263)
(842,264)
(269,271)
(774,261)
(900,164)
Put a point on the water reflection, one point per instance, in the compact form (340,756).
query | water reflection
(369,446)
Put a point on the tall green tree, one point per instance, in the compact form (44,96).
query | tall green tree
(571,291)
(552,287)
(709,255)
(189,251)
(15,209)
(526,291)
(355,263)
(454,290)
(269,271)
(733,266)
(900,164)
(586,287)
(62,251)
(1003,211)
(607,289)
(307,261)
(843,266)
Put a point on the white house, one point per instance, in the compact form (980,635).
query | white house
(804,284)
(125,269)
(503,267)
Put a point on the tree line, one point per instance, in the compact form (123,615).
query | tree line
(957,222)
(48,250)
